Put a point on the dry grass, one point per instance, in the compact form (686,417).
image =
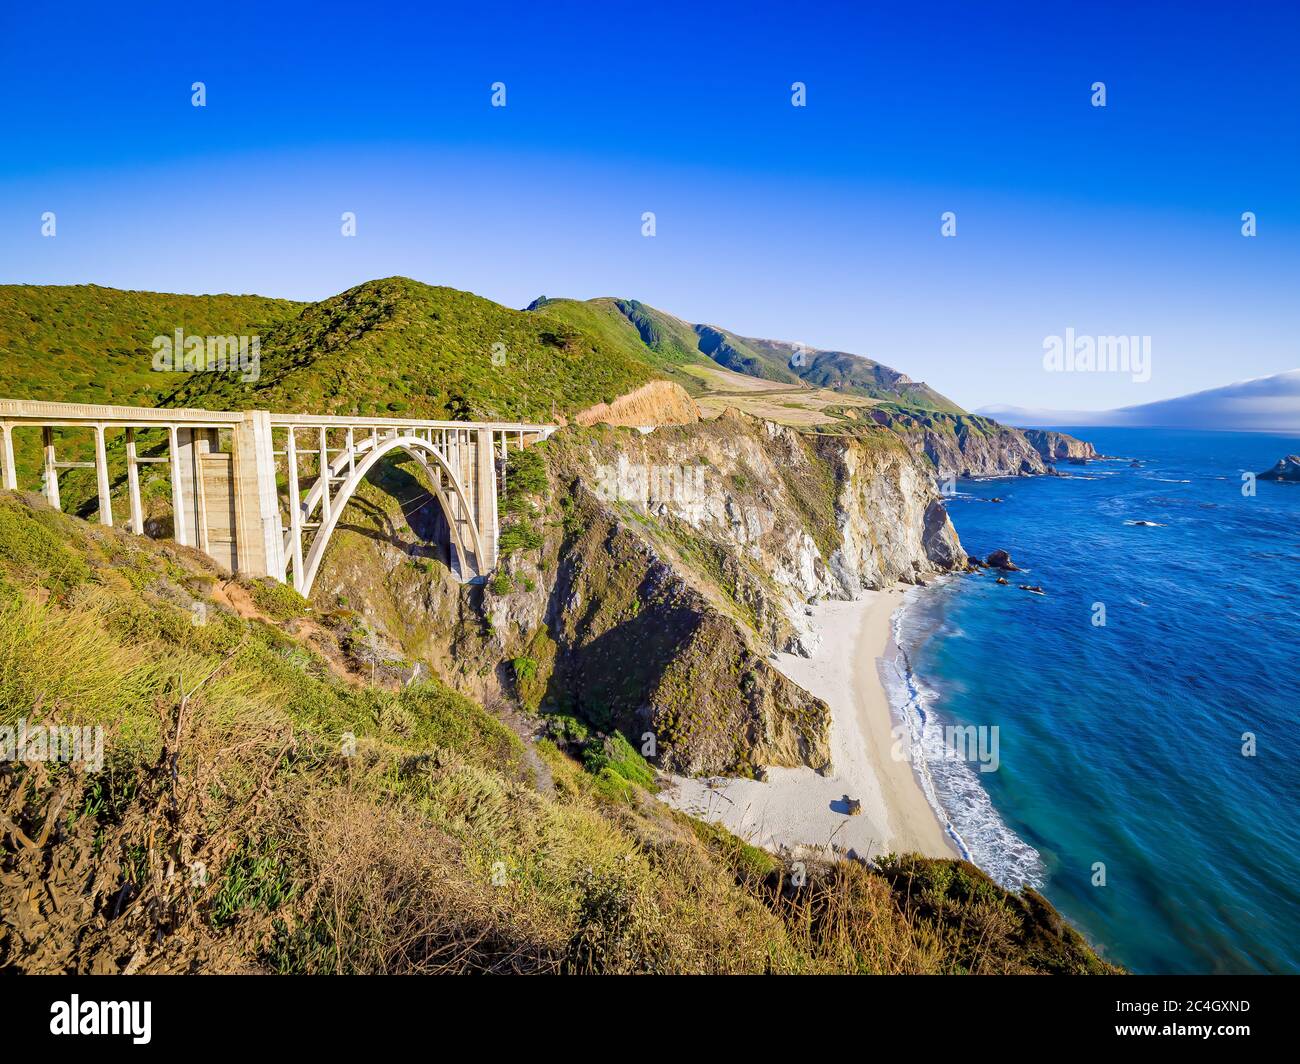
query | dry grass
(343,828)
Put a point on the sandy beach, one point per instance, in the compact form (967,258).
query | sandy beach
(796,807)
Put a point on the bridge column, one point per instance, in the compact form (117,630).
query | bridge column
(295,509)
(180,525)
(133,483)
(7,446)
(259,542)
(485,499)
(323,462)
(187,447)
(101,478)
(51,468)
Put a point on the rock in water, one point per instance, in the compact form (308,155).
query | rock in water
(1287,469)
(1000,559)
(1002,580)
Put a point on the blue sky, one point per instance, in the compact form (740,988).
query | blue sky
(818,224)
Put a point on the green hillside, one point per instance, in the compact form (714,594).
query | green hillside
(679,343)
(84,343)
(326,815)
(624,327)
(391,347)
(396,347)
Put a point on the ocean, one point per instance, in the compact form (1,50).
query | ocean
(1147,769)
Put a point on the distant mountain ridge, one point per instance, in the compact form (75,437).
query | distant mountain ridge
(681,342)
(1261,404)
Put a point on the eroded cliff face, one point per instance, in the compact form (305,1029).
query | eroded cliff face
(670,566)
(1059,446)
(654,403)
(968,445)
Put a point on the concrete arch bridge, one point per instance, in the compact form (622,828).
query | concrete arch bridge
(227,498)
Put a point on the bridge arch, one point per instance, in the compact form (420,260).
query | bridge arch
(422,450)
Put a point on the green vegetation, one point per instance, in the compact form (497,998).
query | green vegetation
(396,346)
(622,327)
(388,347)
(278,601)
(87,344)
(352,814)
(526,483)
(533,669)
(346,827)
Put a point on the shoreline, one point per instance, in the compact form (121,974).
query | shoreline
(795,807)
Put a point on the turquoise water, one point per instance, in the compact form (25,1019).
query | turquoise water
(1122,744)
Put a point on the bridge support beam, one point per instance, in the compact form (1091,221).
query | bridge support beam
(101,478)
(259,547)
(133,483)
(485,497)
(295,509)
(7,453)
(51,469)
(180,527)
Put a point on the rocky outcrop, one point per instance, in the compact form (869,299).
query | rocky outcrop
(654,403)
(892,524)
(1059,446)
(1287,469)
(690,556)
(967,445)
(671,565)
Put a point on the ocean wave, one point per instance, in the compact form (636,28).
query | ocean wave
(950,784)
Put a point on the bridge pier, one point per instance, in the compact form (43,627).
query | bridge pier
(7,453)
(257,503)
(485,489)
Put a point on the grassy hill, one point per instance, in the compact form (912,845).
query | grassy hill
(391,347)
(84,343)
(678,343)
(274,799)
(618,323)
(396,347)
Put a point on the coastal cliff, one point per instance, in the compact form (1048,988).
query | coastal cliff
(350,817)
(661,571)
(1059,446)
(968,445)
